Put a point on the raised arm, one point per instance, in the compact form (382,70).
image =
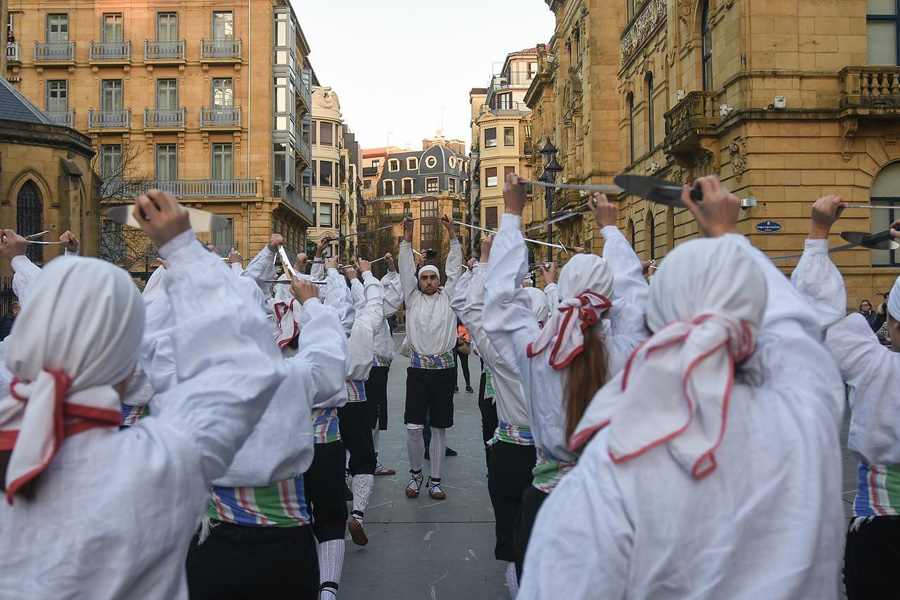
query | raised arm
(337,295)
(25,272)
(368,320)
(627,268)
(262,267)
(406,262)
(227,361)
(453,265)
(393,291)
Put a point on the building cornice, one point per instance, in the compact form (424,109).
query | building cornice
(51,136)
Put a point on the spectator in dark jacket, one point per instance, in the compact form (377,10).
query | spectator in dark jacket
(7,321)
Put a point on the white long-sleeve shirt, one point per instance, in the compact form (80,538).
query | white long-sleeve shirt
(430,321)
(511,326)
(281,445)
(393,300)
(100,528)
(369,316)
(868,368)
(468,302)
(767,523)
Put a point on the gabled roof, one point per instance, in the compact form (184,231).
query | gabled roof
(16,107)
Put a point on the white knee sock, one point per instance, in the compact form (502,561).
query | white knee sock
(376,433)
(331,563)
(415,447)
(362,487)
(511,580)
(437,449)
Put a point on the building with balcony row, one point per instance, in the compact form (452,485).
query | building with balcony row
(785,100)
(207,100)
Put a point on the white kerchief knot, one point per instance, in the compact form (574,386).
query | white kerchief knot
(585,286)
(77,338)
(705,307)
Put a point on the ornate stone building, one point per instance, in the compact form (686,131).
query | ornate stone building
(786,100)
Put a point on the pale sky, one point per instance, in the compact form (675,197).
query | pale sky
(395,64)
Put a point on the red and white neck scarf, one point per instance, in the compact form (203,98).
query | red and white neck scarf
(585,286)
(287,315)
(706,304)
(72,343)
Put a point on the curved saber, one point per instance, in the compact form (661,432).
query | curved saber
(613,189)
(530,241)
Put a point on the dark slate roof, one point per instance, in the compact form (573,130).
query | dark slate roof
(16,107)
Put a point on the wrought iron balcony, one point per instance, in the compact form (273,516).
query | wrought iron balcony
(114,51)
(220,117)
(164,119)
(370,171)
(220,49)
(162,51)
(54,51)
(66,118)
(205,188)
(13,52)
(109,119)
(870,91)
(690,121)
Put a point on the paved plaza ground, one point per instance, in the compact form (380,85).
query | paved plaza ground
(428,550)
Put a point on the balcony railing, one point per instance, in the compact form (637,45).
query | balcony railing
(66,118)
(698,111)
(164,50)
(875,88)
(157,118)
(304,149)
(220,49)
(54,51)
(220,117)
(110,51)
(288,193)
(305,93)
(498,105)
(204,188)
(102,119)
(13,52)
(370,171)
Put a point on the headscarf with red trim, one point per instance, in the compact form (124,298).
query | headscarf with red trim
(78,336)
(287,310)
(706,304)
(585,289)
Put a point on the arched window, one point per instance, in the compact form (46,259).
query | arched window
(30,218)
(706,48)
(648,110)
(886,192)
(650,236)
(630,232)
(630,103)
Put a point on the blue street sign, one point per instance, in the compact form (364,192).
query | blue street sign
(768,227)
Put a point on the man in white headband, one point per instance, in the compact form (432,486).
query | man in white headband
(431,330)
(69,468)
(869,370)
(698,451)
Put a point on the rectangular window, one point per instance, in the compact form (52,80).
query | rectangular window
(881,220)
(111,94)
(504,101)
(223,161)
(490,137)
(490,177)
(509,136)
(490,217)
(223,239)
(407,186)
(326,172)
(112,241)
(57,28)
(113,28)
(110,161)
(313,130)
(432,185)
(315,214)
(388,187)
(326,134)
(412,164)
(223,26)
(883,24)
(167,27)
(223,92)
(507,171)
(451,185)
(429,208)
(57,95)
(166,94)
(325,215)
(315,173)
(376,163)
(367,185)
(167,162)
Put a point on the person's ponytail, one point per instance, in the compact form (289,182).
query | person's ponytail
(586,374)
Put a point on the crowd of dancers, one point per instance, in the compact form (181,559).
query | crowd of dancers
(671,438)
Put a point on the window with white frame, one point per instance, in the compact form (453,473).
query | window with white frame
(223,161)
(325,215)
(57,99)
(490,137)
(110,161)
(412,163)
(393,165)
(490,177)
(432,185)
(407,186)
(113,28)
(57,28)
(389,189)
(166,162)
(223,92)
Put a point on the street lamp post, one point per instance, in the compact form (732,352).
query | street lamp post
(549,151)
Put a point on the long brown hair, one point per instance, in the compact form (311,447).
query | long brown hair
(587,373)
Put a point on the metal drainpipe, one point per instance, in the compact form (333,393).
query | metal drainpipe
(249,106)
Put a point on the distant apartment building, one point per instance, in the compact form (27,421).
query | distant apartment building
(206,100)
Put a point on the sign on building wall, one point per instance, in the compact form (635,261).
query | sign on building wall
(768,227)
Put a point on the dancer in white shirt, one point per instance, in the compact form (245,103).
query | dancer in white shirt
(701,447)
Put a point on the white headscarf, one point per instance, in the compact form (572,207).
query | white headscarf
(585,288)
(705,306)
(429,268)
(77,337)
(894,301)
(540,305)
(287,314)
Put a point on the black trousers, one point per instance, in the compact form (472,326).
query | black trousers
(532,500)
(872,559)
(243,562)
(462,360)
(509,476)
(353,420)
(376,397)
(324,483)
(489,419)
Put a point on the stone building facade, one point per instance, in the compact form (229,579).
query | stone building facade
(786,100)
(206,99)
